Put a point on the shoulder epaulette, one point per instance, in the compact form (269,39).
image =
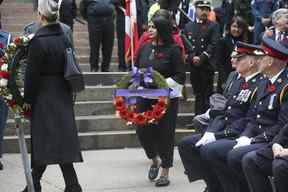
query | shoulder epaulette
(283,94)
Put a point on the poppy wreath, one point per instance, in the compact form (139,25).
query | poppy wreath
(12,64)
(128,83)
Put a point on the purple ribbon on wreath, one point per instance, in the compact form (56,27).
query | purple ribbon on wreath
(136,76)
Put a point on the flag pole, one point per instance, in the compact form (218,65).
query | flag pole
(132,35)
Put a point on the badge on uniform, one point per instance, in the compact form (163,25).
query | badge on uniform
(244,95)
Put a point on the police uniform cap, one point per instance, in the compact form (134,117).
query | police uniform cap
(242,48)
(276,49)
(202,3)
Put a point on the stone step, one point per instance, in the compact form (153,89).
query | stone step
(98,123)
(97,140)
(109,78)
(85,50)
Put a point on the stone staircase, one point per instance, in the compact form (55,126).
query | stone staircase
(99,128)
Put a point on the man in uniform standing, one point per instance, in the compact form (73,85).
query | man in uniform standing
(203,35)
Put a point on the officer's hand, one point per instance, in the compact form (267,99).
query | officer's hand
(276,148)
(196,60)
(208,137)
(242,141)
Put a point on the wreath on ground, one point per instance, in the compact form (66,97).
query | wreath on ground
(12,67)
(135,84)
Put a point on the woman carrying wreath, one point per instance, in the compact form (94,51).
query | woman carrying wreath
(54,138)
(165,57)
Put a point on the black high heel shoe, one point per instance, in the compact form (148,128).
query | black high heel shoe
(73,188)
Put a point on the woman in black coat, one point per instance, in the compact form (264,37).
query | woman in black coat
(237,30)
(165,57)
(54,138)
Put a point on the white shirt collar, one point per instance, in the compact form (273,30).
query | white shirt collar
(251,76)
(275,77)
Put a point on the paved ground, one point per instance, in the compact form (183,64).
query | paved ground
(122,170)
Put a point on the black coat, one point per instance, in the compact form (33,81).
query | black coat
(203,38)
(67,12)
(53,127)
(222,58)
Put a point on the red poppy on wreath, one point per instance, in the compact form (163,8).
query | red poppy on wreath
(245,85)
(4,74)
(271,88)
(123,114)
(12,103)
(129,113)
(157,114)
(17,40)
(140,119)
(2,46)
(148,115)
(119,103)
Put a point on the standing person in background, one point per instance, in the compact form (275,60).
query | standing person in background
(282,4)
(279,30)
(67,12)
(166,58)
(203,36)
(142,7)
(243,9)
(262,11)
(237,30)
(54,138)
(120,29)
(100,17)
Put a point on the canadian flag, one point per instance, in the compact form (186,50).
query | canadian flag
(131,32)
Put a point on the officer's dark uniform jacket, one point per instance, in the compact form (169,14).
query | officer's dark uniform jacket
(239,99)
(203,38)
(269,113)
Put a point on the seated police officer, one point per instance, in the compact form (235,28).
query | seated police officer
(271,160)
(239,100)
(264,119)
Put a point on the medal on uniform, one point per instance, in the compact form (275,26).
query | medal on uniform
(271,101)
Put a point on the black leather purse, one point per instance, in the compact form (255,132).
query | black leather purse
(72,71)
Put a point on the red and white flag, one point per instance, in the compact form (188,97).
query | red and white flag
(131,32)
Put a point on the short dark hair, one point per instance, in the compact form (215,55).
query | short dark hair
(164,29)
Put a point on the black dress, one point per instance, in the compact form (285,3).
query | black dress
(158,139)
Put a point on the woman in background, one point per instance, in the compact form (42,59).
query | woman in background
(237,30)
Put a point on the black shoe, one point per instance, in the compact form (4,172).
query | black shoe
(73,188)
(1,166)
(153,172)
(162,181)
(104,70)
